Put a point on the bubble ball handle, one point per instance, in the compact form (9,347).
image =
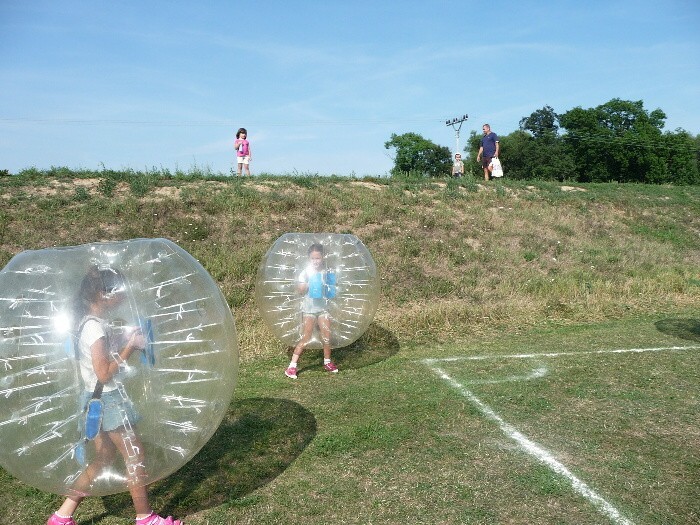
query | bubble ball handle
(330,285)
(316,286)
(148,357)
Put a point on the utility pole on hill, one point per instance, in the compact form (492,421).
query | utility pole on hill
(456,124)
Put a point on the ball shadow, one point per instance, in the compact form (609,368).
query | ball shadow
(688,329)
(257,440)
(374,346)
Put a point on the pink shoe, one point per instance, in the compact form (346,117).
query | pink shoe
(154,519)
(291,372)
(57,520)
(330,367)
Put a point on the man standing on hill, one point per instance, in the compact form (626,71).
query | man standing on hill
(488,149)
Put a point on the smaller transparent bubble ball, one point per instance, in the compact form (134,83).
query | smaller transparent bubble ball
(348,288)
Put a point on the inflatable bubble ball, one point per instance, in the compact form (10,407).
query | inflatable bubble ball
(346,286)
(118,362)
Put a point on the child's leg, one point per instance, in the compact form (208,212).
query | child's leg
(247,169)
(131,449)
(309,322)
(324,325)
(105,452)
(240,169)
(70,504)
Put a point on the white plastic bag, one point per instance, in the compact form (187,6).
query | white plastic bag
(496,168)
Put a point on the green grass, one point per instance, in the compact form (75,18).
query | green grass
(387,441)
(466,269)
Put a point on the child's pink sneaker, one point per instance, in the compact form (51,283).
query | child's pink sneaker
(330,367)
(154,519)
(57,520)
(291,372)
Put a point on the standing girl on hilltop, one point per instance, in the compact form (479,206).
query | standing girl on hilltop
(242,147)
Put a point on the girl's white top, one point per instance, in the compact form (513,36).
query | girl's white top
(92,330)
(309,304)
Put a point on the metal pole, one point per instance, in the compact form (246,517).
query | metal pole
(456,124)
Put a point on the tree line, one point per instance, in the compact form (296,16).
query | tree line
(618,141)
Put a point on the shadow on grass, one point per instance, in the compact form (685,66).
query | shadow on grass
(684,328)
(257,440)
(374,346)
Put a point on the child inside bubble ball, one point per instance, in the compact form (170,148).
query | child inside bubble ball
(317,286)
(100,360)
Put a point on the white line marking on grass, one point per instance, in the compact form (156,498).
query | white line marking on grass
(431,361)
(535,374)
(537,451)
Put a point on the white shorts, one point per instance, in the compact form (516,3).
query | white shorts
(243,160)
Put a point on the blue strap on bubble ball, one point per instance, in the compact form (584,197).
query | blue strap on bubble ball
(93,418)
(93,413)
(322,285)
(80,456)
(329,287)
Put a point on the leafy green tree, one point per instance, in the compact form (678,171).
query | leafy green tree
(518,155)
(417,155)
(526,157)
(543,123)
(681,151)
(544,154)
(471,166)
(616,141)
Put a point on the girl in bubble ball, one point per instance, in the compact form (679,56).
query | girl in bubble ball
(101,357)
(317,285)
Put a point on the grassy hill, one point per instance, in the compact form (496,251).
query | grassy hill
(456,258)
(529,289)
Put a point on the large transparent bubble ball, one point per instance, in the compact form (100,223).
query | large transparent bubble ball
(351,304)
(181,384)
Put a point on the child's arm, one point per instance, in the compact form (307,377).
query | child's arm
(303,283)
(106,366)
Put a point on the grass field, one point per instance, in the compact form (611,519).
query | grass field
(534,360)
(581,425)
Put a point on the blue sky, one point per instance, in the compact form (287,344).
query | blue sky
(320,85)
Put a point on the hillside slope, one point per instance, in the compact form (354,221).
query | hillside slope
(456,258)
